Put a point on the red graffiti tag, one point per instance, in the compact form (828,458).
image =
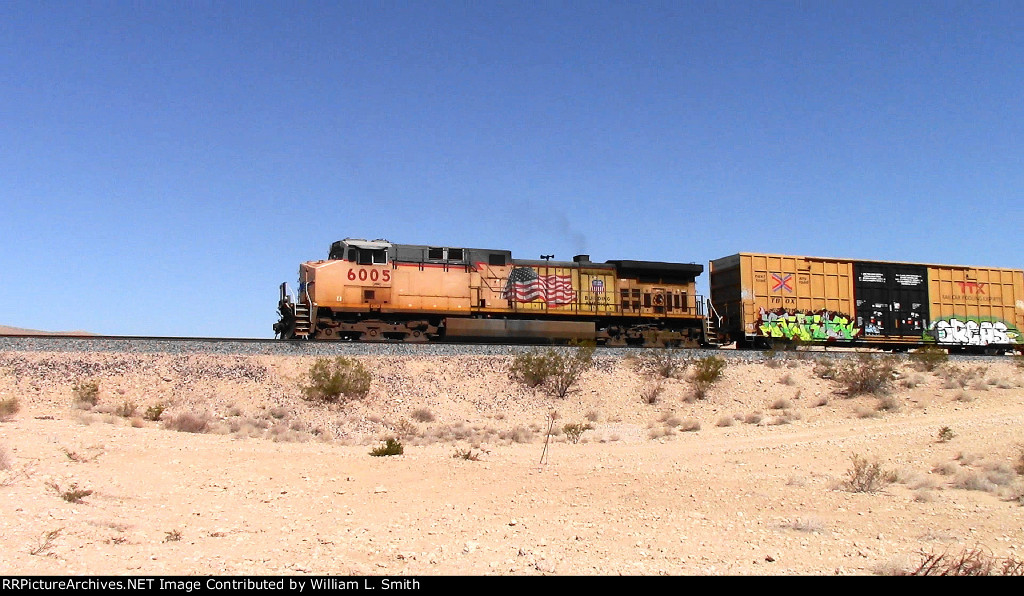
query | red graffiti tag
(971,287)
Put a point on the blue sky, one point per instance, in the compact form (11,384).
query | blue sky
(164,166)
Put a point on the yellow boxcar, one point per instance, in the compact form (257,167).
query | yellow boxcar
(766,298)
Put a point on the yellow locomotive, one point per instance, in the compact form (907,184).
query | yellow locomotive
(377,290)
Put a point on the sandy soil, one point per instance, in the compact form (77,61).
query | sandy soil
(278,485)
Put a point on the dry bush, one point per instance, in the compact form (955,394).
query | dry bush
(423,415)
(126,409)
(867,375)
(969,562)
(86,393)
(469,454)
(9,407)
(888,403)
(782,404)
(725,421)
(5,459)
(865,476)
(573,432)
(188,422)
(667,363)
(865,412)
(45,542)
(787,379)
(961,378)
(689,425)
(154,412)
(946,434)
(786,417)
(659,432)
(72,494)
(928,358)
(556,370)
(518,434)
(753,418)
(826,367)
(328,381)
(650,392)
(963,396)
(706,372)
(388,447)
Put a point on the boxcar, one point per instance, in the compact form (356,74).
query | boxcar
(766,299)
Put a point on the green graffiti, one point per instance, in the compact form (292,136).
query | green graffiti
(823,326)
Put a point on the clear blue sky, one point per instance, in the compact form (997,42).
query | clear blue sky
(164,166)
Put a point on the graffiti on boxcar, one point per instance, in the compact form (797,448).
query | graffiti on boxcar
(812,326)
(971,332)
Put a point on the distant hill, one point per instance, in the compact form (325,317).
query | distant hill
(5,330)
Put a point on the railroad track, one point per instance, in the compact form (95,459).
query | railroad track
(269,346)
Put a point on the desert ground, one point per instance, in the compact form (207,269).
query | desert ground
(752,479)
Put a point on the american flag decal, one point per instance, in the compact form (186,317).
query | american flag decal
(526,285)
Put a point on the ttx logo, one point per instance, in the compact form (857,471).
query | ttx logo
(971,287)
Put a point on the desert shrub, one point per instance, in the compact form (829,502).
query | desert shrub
(689,425)
(330,380)
(86,392)
(781,404)
(666,362)
(865,476)
(650,392)
(388,447)
(573,432)
(45,542)
(557,370)
(928,358)
(9,407)
(126,409)
(706,372)
(753,418)
(826,368)
(72,494)
(172,536)
(725,421)
(519,434)
(5,459)
(188,422)
(423,415)
(154,412)
(867,375)
(946,434)
(970,562)
(888,403)
(468,454)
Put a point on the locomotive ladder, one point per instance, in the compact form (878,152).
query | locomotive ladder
(711,323)
(303,324)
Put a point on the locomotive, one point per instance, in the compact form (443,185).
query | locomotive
(373,290)
(377,291)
